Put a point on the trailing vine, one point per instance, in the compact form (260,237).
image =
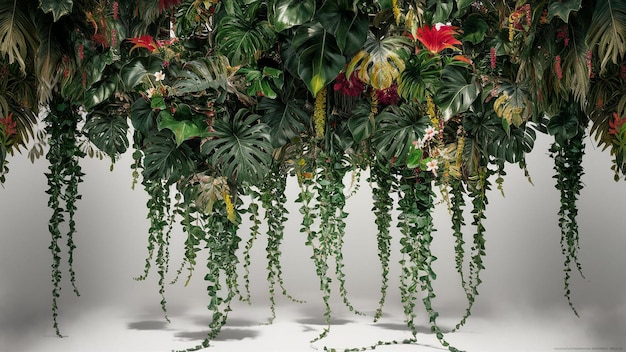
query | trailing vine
(478,193)
(64,176)
(457,207)
(383,205)
(568,157)
(273,201)
(416,203)
(159,234)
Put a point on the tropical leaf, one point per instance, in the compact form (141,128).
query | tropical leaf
(285,14)
(100,93)
(319,58)
(420,76)
(286,120)
(607,31)
(164,160)
(137,70)
(360,124)
(108,132)
(565,125)
(184,123)
(563,9)
(209,72)
(474,29)
(457,91)
(380,62)
(263,82)
(239,147)
(18,38)
(343,21)
(143,117)
(396,130)
(513,104)
(58,8)
(511,146)
(48,57)
(242,39)
(574,66)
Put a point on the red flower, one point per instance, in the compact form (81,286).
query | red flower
(10,126)
(492,57)
(437,38)
(388,96)
(167,4)
(615,125)
(557,67)
(352,87)
(148,42)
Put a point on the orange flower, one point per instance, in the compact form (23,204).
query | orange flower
(615,125)
(148,42)
(438,37)
(10,126)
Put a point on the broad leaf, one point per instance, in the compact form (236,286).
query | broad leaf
(18,35)
(143,117)
(209,72)
(241,39)
(134,72)
(513,105)
(380,62)
(59,8)
(183,129)
(99,93)
(420,76)
(319,57)
(288,13)
(360,124)
(397,129)
(458,90)
(285,120)
(240,147)
(164,160)
(565,125)
(343,21)
(474,29)
(108,132)
(563,9)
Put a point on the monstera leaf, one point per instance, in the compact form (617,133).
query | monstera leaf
(562,9)
(319,58)
(108,132)
(513,105)
(421,75)
(163,160)
(360,124)
(201,74)
(59,8)
(397,129)
(345,23)
(285,14)
(458,90)
(242,38)
(285,119)
(143,117)
(512,145)
(240,147)
(380,62)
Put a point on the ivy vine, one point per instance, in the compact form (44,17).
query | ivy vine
(64,176)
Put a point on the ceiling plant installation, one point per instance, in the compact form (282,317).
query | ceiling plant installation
(221,102)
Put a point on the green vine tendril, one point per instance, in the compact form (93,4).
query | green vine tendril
(64,176)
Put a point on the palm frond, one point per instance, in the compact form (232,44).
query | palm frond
(607,31)
(18,33)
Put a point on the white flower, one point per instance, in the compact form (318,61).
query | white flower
(432,166)
(418,144)
(431,132)
(159,76)
(438,25)
(82,112)
(150,92)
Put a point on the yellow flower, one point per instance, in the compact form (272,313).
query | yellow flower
(396,11)
(230,207)
(319,114)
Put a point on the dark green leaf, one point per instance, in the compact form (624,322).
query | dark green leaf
(397,129)
(108,132)
(360,124)
(285,120)
(164,160)
(287,13)
(474,29)
(142,117)
(134,72)
(241,38)
(199,75)
(562,9)
(182,129)
(59,8)
(458,90)
(343,21)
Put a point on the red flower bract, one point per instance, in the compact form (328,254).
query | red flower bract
(352,87)
(615,124)
(437,38)
(10,126)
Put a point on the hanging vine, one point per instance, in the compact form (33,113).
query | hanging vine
(383,205)
(568,157)
(273,201)
(159,233)
(64,176)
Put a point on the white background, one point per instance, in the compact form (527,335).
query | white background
(520,307)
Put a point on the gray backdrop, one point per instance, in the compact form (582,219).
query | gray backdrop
(520,307)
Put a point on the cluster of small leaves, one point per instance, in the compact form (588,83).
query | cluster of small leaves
(568,157)
(478,193)
(383,204)
(63,177)
(457,206)
(159,233)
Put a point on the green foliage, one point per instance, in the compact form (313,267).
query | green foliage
(398,128)
(458,90)
(63,177)
(285,14)
(607,31)
(109,133)
(241,37)
(240,147)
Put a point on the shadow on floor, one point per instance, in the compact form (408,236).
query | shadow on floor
(224,335)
